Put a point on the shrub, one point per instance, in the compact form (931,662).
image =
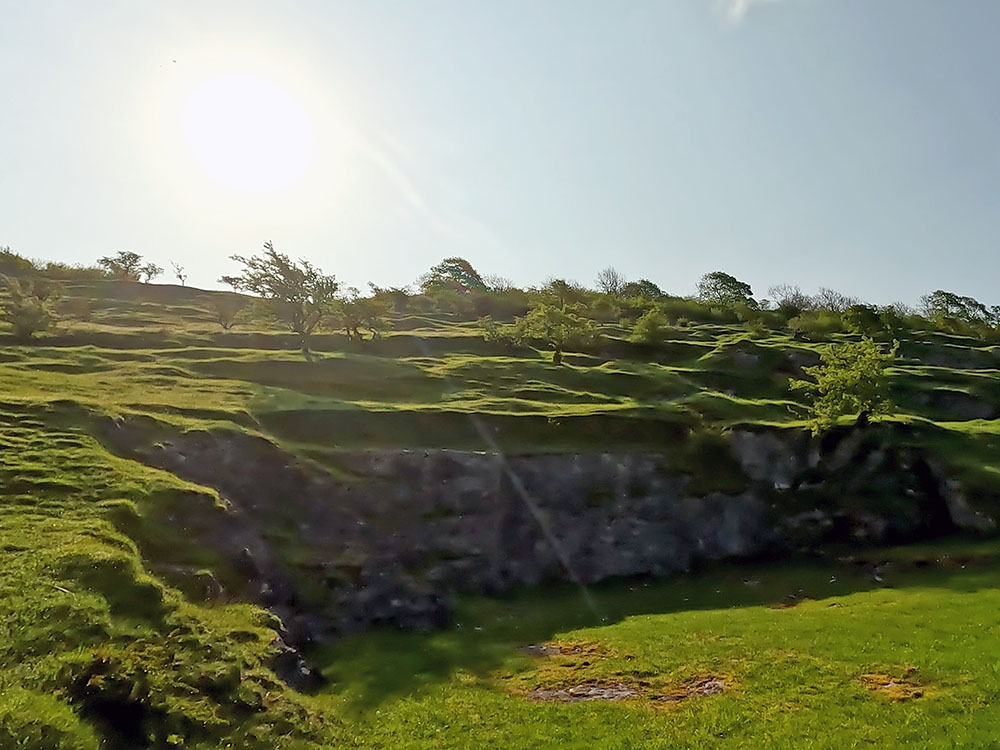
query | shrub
(818,323)
(651,328)
(226,309)
(28,307)
(13,264)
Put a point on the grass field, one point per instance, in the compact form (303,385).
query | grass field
(804,654)
(86,630)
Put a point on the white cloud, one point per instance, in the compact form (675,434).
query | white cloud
(735,10)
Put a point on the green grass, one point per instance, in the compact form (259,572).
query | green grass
(793,675)
(99,585)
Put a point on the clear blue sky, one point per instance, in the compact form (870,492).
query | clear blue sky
(853,144)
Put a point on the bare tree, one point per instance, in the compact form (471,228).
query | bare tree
(610,281)
(179,272)
(498,284)
(790,298)
(828,299)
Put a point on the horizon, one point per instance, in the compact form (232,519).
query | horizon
(810,143)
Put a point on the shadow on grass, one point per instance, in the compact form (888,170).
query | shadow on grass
(370,669)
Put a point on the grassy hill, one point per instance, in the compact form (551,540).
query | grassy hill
(97,652)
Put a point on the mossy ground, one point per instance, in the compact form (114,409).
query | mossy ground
(86,631)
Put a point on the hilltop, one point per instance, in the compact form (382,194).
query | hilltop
(136,427)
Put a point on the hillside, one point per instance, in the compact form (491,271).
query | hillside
(131,616)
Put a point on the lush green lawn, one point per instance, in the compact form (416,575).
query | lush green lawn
(793,675)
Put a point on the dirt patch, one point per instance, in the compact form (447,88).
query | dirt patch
(789,602)
(566,648)
(696,687)
(894,688)
(613,691)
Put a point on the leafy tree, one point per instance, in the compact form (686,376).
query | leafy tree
(563,292)
(180,272)
(300,294)
(28,307)
(397,296)
(641,288)
(651,328)
(941,305)
(226,309)
(354,312)
(720,288)
(456,274)
(495,333)
(558,327)
(149,271)
(863,319)
(125,265)
(609,281)
(850,380)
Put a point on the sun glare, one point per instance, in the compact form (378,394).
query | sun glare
(248,133)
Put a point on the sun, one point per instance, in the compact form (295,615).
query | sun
(248,133)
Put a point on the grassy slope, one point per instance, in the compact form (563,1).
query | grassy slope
(81,624)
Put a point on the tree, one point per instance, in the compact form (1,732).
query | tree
(398,297)
(125,265)
(354,312)
(226,308)
(456,274)
(179,272)
(650,328)
(300,294)
(720,288)
(789,299)
(829,299)
(558,327)
(28,307)
(610,281)
(563,292)
(941,305)
(149,271)
(499,284)
(850,380)
(642,288)
(495,333)
(863,319)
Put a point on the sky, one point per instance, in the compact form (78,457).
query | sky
(851,144)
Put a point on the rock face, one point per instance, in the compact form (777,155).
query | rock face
(387,536)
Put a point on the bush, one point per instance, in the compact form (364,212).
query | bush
(66,272)
(651,328)
(505,305)
(13,264)
(28,307)
(226,309)
(78,308)
(818,323)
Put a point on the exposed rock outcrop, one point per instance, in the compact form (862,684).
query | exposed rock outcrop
(387,536)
